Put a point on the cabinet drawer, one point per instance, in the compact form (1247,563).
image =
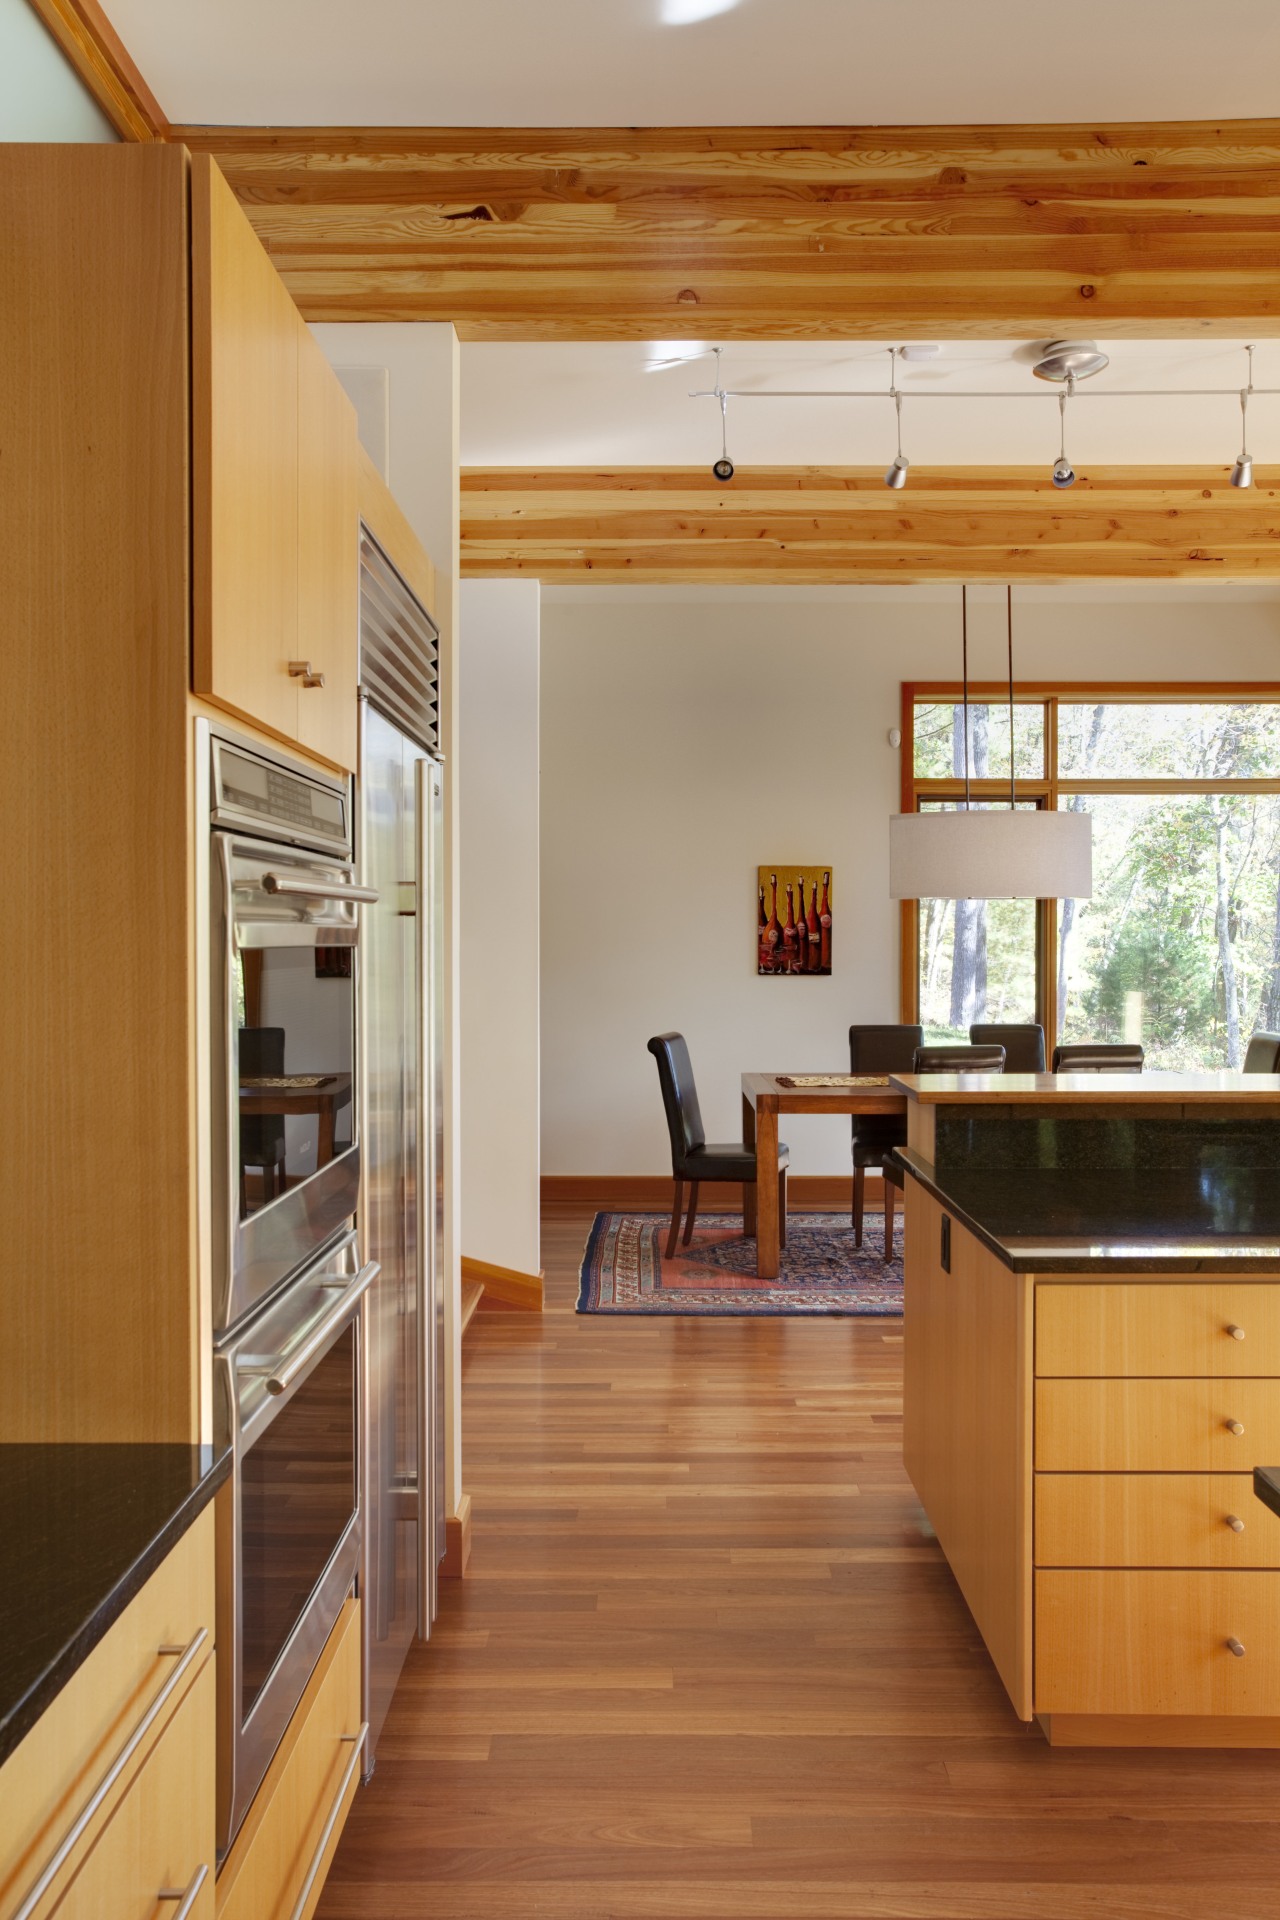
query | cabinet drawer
(1155,1426)
(307,1781)
(54,1773)
(1158,1329)
(161,1834)
(1152,1643)
(1152,1520)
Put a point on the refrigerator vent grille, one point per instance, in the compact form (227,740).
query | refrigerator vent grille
(399,649)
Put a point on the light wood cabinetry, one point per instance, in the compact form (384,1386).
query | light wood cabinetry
(1102,1511)
(294,1824)
(327,559)
(1147,1642)
(110,1797)
(100,1335)
(967,1351)
(1127,1328)
(274,494)
(1153,1426)
(1152,1520)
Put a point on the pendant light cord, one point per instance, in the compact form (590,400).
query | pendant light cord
(1008,604)
(964,668)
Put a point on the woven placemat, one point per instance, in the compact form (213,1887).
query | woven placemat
(832,1079)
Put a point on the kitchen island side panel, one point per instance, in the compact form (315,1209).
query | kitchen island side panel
(967,1434)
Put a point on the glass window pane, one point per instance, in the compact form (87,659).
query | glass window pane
(977,962)
(1179,948)
(939,740)
(1155,740)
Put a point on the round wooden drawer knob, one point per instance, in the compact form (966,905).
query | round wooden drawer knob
(1237,1333)
(1235,1523)
(1234,1426)
(1235,1647)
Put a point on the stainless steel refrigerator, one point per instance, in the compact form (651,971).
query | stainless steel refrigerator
(401,1208)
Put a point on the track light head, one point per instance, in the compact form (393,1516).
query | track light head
(723,468)
(1242,472)
(896,475)
(1064,474)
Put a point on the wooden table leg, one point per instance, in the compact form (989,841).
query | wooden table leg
(766,1191)
(324,1141)
(748,1191)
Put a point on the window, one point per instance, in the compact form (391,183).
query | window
(1179,947)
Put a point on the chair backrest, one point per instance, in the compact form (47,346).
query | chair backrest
(883,1049)
(1023,1045)
(679,1094)
(262,1136)
(958,1059)
(1262,1055)
(1087,1058)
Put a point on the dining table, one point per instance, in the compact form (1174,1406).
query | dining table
(764,1097)
(322,1094)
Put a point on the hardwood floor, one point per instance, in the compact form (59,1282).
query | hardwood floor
(707,1664)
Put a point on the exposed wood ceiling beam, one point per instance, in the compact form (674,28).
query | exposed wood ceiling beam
(772,233)
(100,57)
(806,526)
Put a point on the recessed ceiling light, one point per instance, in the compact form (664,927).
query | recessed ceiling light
(685,13)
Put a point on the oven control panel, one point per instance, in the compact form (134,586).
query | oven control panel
(252,791)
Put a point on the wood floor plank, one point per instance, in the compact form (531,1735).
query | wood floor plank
(708,1663)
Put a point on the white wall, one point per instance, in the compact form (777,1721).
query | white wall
(421,448)
(42,97)
(688,737)
(498,699)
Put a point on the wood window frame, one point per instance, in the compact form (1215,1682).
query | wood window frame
(1046,789)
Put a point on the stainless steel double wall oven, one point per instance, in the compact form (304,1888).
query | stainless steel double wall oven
(281,946)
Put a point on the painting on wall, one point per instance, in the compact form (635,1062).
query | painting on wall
(793,935)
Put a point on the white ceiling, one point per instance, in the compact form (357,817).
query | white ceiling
(553,63)
(624,404)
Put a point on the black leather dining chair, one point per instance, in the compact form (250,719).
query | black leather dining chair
(879,1049)
(958,1059)
(692,1159)
(1023,1045)
(1262,1055)
(262,1135)
(1086,1057)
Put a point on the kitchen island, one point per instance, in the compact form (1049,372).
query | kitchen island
(1092,1370)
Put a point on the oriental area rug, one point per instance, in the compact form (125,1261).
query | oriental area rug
(625,1270)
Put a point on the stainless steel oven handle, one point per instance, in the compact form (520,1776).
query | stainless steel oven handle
(322,1844)
(188,1895)
(281,1377)
(66,1846)
(317,889)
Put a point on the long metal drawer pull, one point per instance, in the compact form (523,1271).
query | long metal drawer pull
(285,883)
(282,1374)
(71,1839)
(188,1894)
(317,1857)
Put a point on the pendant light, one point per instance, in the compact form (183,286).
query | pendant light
(1064,474)
(990,853)
(723,467)
(1242,472)
(896,476)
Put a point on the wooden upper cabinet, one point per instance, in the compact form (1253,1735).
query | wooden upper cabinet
(328,557)
(273,493)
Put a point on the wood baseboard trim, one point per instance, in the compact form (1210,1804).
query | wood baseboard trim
(504,1286)
(1159,1730)
(457,1541)
(821,1192)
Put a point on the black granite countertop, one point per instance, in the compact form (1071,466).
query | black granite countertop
(1123,1220)
(82,1528)
(1266,1484)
